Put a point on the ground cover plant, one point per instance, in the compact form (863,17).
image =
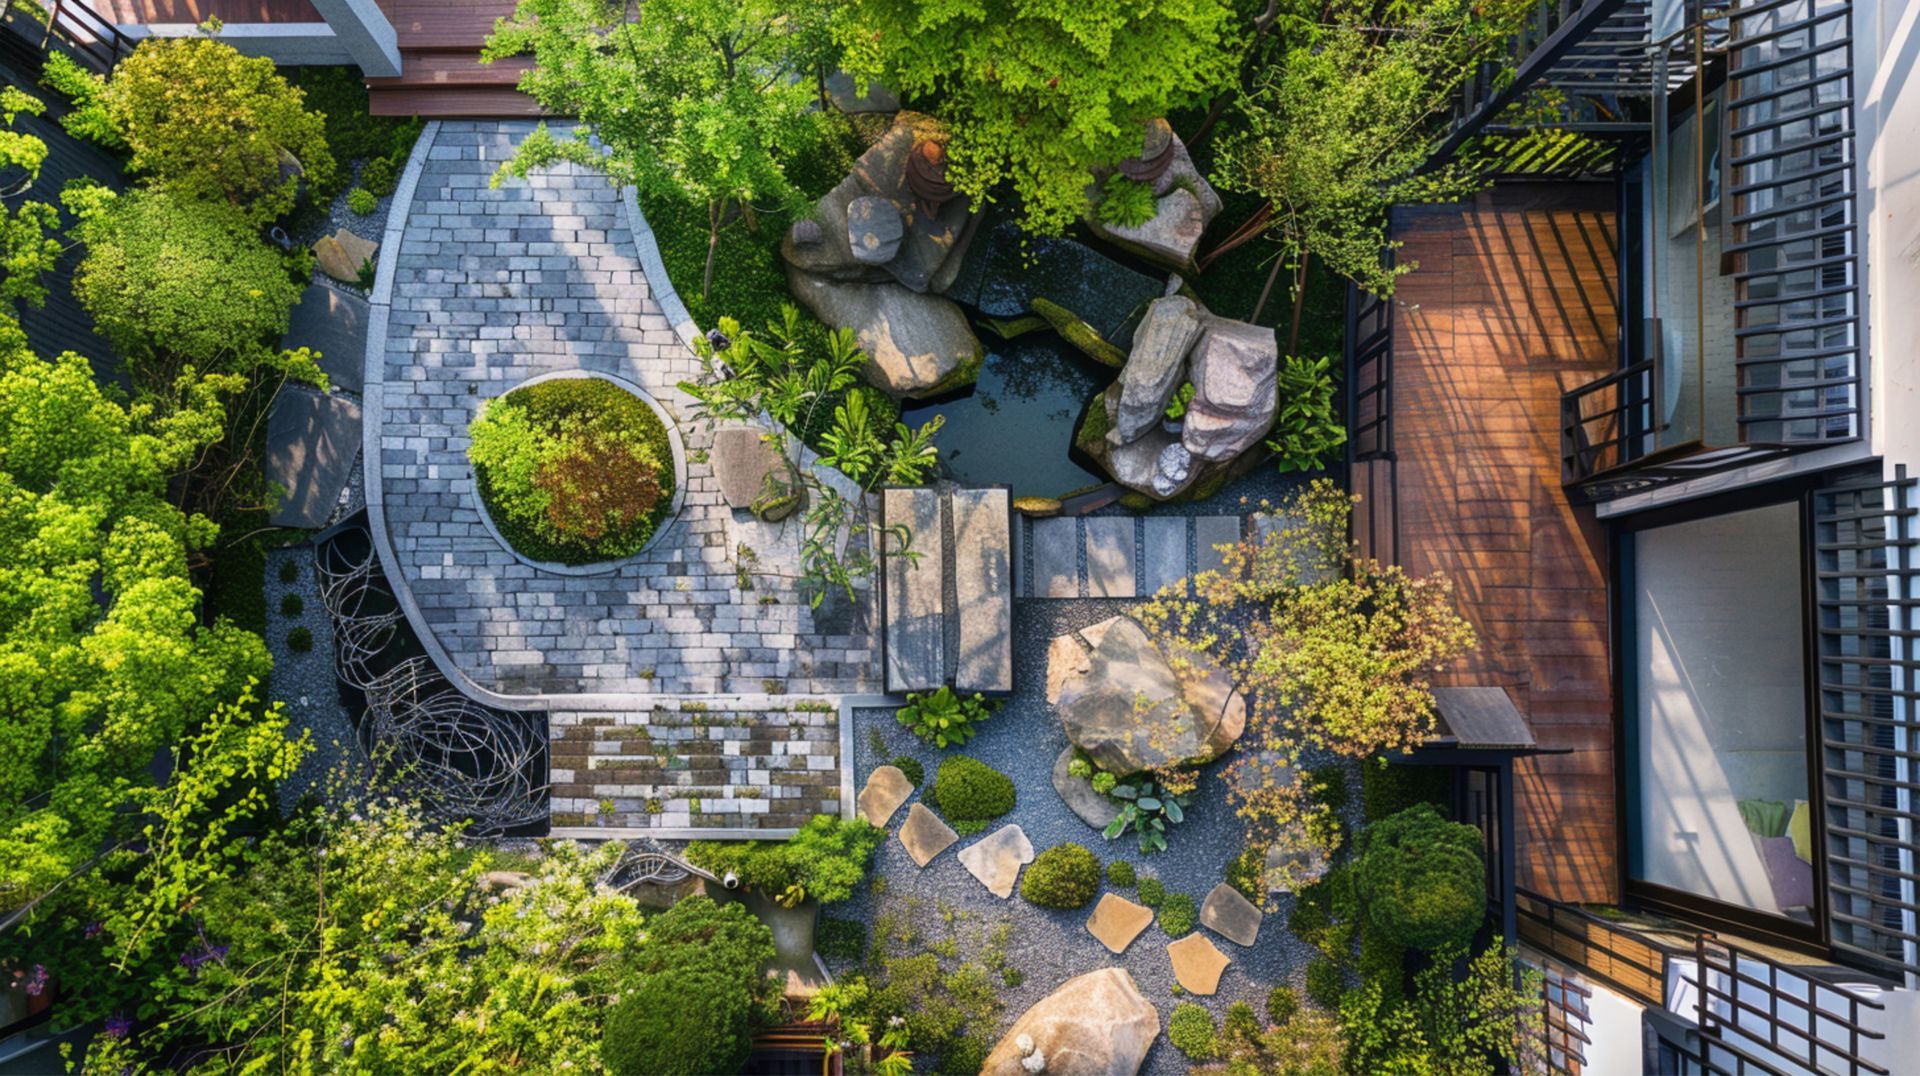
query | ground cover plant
(945,718)
(822,862)
(1064,876)
(970,793)
(573,470)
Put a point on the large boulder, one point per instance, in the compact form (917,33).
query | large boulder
(1121,701)
(1155,366)
(1184,201)
(1233,370)
(1096,1024)
(919,345)
(1155,463)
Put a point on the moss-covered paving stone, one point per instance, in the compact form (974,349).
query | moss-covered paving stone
(1197,964)
(1116,921)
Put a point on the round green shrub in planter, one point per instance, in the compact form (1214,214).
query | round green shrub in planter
(1064,876)
(1420,879)
(1191,1030)
(574,470)
(1177,915)
(971,793)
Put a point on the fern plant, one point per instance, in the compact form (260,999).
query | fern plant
(1125,203)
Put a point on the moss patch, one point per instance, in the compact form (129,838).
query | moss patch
(1080,334)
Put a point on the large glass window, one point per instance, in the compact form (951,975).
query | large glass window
(1720,708)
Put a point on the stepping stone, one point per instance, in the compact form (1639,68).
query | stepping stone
(1227,913)
(1209,532)
(333,323)
(1166,552)
(312,440)
(1056,558)
(924,835)
(887,788)
(997,860)
(742,458)
(1110,557)
(1116,921)
(983,589)
(1197,964)
(341,255)
(916,608)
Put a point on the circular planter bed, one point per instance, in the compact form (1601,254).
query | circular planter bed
(575,469)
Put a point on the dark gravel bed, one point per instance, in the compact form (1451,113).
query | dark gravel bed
(1049,946)
(305,680)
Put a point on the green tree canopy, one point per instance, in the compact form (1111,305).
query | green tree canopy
(700,99)
(1040,94)
(208,124)
(701,993)
(28,249)
(1471,1024)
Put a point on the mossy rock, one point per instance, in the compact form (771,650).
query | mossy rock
(780,496)
(1135,501)
(1037,507)
(1091,437)
(1008,328)
(958,378)
(1080,334)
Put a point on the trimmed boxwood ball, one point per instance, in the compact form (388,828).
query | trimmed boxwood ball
(1191,1030)
(1177,915)
(1420,879)
(971,793)
(1153,892)
(1121,875)
(574,470)
(1064,876)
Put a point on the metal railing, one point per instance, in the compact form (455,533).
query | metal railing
(1371,465)
(1567,1005)
(1753,1012)
(88,33)
(1614,953)
(1603,423)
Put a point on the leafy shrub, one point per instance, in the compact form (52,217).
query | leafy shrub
(1177,405)
(289,571)
(971,793)
(1191,1030)
(1241,1024)
(1325,984)
(911,766)
(1125,203)
(1282,1003)
(1147,809)
(1248,873)
(1120,874)
(380,176)
(1420,879)
(292,605)
(1064,876)
(1308,427)
(1177,915)
(700,994)
(1080,766)
(574,470)
(1153,892)
(844,939)
(1386,789)
(362,201)
(1330,783)
(824,861)
(211,125)
(89,119)
(353,133)
(168,281)
(943,718)
(300,640)
(1104,783)
(1383,962)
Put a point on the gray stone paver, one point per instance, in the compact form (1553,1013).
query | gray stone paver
(1056,558)
(492,286)
(1210,533)
(1110,557)
(1164,546)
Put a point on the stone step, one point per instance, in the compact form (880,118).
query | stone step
(983,589)
(1126,557)
(915,622)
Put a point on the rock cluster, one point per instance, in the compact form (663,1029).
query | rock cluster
(1233,367)
(1121,701)
(877,254)
(1184,202)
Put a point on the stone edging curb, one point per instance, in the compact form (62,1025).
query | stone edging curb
(655,270)
(675,445)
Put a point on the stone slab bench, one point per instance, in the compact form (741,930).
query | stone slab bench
(983,589)
(914,600)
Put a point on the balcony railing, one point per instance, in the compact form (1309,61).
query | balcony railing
(1604,423)
(1754,1014)
(90,35)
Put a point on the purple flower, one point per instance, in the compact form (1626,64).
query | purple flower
(36,983)
(194,959)
(92,930)
(118,1025)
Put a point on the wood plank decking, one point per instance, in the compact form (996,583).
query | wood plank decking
(440,70)
(1515,302)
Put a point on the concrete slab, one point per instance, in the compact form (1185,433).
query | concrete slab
(983,589)
(916,604)
(1110,557)
(311,442)
(333,323)
(1210,532)
(1165,552)
(1056,558)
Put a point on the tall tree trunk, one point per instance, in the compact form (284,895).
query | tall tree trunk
(1266,289)
(715,206)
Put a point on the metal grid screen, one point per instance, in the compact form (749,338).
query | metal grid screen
(1864,549)
(1793,246)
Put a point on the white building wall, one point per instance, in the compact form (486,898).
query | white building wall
(1886,53)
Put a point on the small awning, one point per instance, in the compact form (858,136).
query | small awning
(1480,718)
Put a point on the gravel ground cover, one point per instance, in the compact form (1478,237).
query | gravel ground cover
(1049,946)
(304,680)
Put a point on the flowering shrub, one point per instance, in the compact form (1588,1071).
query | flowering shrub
(574,470)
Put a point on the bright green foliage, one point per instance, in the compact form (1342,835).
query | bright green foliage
(945,719)
(207,124)
(700,995)
(102,661)
(911,767)
(879,1047)
(1126,203)
(950,1003)
(1247,873)
(1308,427)
(1177,404)
(1240,1024)
(691,98)
(971,793)
(1421,880)
(1282,1004)
(174,285)
(379,177)
(86,91)
(1192,1032)
(1382,961)
(1308,1044)
(1121,875)
(1042,94)
(1146,808)
(1334,130)
(824,861)
(574,470)
(1473,1027)
(1153,892)
(28,249)
(1325,983)
(362,201)
(1064,876)
(1177,915)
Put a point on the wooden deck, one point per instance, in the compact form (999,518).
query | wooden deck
(1515,301)
(140,12)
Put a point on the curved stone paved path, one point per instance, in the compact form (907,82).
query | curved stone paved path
(494,286)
